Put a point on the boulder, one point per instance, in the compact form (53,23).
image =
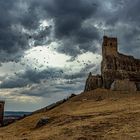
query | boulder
(42,122)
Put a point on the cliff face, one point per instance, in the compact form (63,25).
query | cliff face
(117,66)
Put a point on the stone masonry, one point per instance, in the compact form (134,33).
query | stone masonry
(114,66)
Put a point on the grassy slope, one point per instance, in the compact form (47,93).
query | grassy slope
(116,116)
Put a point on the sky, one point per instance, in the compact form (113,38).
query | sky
(48,47)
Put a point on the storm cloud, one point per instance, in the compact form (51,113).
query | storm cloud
(76,24)
(21,20)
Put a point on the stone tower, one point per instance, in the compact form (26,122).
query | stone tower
(109,50)
(109,46)
(1,112)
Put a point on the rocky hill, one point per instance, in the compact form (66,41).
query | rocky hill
(99,114)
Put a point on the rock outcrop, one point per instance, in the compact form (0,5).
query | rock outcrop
(114,66)
(42,122)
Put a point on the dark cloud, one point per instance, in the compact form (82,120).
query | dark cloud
(30,77)
(14,29)
(68,18)
(12,40)
(19,24)
(80,41)
(42,37)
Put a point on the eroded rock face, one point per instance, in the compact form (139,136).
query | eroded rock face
(115,66)
(123,85)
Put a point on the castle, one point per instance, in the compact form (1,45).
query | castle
(118,71)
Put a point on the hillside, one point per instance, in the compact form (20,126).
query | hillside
(99,114)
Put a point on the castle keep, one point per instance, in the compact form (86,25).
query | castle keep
(118,71)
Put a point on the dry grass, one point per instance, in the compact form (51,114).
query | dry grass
(95,115)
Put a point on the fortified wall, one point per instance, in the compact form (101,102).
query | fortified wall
(115,68)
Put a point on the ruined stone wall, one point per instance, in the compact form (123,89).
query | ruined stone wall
(114,66)
(93,82)
(118,66)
